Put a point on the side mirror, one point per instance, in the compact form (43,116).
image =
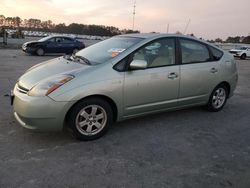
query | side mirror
(138,64)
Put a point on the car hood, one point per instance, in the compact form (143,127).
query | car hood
(235,50)
(47,69)
(32,42)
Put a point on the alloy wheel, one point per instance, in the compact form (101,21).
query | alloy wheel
(219,98)
(91,120)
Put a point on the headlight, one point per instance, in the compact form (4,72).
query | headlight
(47,86)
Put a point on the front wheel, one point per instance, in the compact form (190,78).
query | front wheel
(40,51)
(243,56)
(90,119)
(218,98)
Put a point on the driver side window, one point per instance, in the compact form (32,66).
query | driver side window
(58,39)
(158,53)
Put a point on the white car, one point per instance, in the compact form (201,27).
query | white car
(242,52)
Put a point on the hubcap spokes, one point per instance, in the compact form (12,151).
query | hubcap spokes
(91,120)
(219,98)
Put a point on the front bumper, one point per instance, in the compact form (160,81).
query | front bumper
(236,55)
(28,49)
(39,113)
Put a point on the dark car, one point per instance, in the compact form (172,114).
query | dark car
(53,44)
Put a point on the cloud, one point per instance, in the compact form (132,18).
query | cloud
(209,19)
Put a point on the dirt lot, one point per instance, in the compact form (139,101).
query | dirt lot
(190,148)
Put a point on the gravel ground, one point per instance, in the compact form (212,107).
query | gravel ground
(190,148)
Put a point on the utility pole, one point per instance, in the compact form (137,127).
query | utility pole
(168,28)
(134,16)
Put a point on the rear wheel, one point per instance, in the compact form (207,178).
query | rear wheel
(243,56)
(40,51)
(90,119)
(218,98)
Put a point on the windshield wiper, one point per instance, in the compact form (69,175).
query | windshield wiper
(67,57)
(84,59)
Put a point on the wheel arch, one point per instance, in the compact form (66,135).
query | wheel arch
(243,55)
(225,83)
(103,97)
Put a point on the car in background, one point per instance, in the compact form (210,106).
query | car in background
(242,52)
(53,44)
(123,77)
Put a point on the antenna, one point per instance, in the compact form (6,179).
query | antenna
(186,27)
(134,15)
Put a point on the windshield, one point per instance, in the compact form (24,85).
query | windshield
(44,39)
(107,49)
(243,48)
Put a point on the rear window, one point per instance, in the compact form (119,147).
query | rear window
(217,54)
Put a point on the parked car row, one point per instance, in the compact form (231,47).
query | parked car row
(45,34)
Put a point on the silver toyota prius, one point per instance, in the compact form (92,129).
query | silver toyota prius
(123,77)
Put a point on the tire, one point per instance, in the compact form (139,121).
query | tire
(90,119)
(218,98)
(75,51)
(40,52)
(243,56)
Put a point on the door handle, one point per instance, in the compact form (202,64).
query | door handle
(213,70)
(172,75)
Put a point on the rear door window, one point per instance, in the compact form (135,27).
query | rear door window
(67,40)
(217,54)
(193,52)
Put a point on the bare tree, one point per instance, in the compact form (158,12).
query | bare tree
(2,19)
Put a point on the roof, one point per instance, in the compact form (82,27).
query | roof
(150,35)
(160,35)
(60,36)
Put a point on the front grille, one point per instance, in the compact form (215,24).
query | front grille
(233,52)
(22,89)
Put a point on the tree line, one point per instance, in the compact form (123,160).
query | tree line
(237,39)
(82,29)
(48,26)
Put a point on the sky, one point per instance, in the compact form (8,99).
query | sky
(209,19)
